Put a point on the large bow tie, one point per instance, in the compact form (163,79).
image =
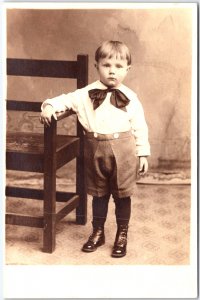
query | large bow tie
(118,99)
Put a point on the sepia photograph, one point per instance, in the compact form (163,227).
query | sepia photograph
(100,135)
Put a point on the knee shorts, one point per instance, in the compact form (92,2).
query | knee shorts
(110,162)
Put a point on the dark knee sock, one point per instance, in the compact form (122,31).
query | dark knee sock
(123,210)
(99,210)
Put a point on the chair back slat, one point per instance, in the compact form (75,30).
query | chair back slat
(23,105)
(42,68)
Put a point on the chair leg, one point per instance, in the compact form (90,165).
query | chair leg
(81,210)
(49,233)
(49,240)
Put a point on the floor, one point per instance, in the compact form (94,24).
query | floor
(159,231)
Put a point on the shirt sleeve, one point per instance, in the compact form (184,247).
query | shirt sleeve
(64,102)
(140,129)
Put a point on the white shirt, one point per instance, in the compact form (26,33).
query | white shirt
(106,119)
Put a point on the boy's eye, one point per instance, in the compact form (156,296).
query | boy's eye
(119,66)
(106,65)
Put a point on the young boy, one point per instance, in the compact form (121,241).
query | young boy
(115,133)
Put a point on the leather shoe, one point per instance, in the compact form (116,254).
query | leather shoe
(119,249)
(96,239)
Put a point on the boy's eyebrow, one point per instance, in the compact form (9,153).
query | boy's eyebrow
(106,63)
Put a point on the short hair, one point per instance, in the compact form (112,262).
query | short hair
(113,48)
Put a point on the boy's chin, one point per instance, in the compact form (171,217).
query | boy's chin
(111,85)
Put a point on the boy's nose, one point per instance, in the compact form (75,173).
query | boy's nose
(112,71)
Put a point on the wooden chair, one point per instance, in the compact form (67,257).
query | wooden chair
(46,153)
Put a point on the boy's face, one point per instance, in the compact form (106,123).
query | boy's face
(112,71)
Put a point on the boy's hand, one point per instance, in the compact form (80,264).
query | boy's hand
(46,114)
(143,165)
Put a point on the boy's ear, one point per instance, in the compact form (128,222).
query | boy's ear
(96,65)
(128,68)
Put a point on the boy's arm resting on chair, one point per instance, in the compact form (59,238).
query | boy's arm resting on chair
(57,104)
(47,113)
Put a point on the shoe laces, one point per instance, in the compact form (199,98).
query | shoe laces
(122,239)
(97,233)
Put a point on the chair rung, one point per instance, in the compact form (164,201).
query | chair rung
(21,220)
(67,152)
(71,204)
(36,194)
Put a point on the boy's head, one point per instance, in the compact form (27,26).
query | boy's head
(110,49)
(113,60)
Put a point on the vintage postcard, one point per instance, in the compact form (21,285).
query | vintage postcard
(100,179)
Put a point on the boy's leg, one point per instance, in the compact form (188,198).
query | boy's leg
(99,211)
(123,213)
(122,210)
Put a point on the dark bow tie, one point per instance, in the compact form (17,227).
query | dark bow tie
(118,99)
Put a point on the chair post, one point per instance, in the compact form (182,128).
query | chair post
(81,211)
(49,187)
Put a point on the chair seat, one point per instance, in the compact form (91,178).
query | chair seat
(28,142)
(25,151)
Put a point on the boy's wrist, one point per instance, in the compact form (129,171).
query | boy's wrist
(46,105)
(48,108)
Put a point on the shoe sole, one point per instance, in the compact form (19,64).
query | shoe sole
(88,250)
(118,255)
